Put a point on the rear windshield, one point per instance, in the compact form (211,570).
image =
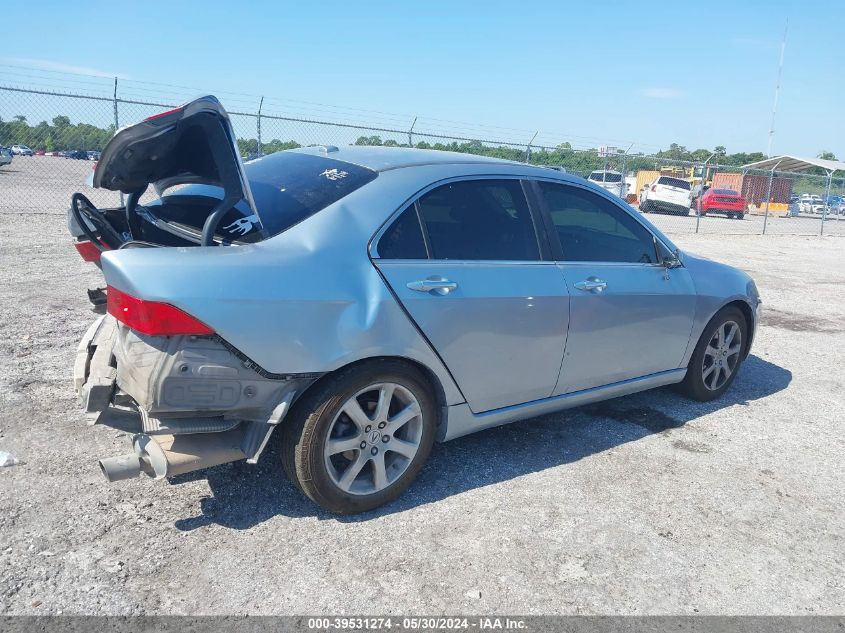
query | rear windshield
(601,176)
(288,187)
(725,192)
(674,182)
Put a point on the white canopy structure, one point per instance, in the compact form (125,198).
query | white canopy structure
(795,163)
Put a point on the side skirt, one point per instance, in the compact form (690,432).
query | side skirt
(462,421)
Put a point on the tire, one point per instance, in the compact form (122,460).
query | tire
(364,472)
(739,216)
(645,207)
(700,369)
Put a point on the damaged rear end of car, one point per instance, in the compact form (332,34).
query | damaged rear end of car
(193,400)
(190,397)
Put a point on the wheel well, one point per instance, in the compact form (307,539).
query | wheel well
(748,313)
(429,376)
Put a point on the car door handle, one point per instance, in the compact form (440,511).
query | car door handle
(439,285)
(592,284)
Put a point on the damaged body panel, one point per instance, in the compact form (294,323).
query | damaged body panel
(179,386)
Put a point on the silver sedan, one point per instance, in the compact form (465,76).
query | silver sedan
(367,301)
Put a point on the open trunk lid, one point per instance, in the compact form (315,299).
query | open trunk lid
(194,143)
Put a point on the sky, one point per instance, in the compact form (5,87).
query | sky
(699,74)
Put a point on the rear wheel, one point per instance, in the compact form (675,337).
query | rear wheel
(717,357)
(359,440)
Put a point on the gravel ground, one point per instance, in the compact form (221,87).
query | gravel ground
(648,504)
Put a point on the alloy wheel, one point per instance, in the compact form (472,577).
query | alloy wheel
(373,438)
(721,355)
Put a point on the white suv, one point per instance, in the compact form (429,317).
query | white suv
(21,150)
(672,195)
(613,181)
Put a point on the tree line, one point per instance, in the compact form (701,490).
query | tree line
(61,134)
(56,136)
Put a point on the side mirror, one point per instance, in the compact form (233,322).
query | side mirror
(672,261)
(669,259)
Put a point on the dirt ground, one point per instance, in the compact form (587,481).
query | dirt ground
(648,504)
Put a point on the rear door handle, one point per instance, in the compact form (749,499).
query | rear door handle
(591,284)
(438,285)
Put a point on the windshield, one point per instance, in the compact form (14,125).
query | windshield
(674,182)
(288,187)
(725,192)
(603,176)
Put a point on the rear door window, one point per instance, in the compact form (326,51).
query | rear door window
(479,220)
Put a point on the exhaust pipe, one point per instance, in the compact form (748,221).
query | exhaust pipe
(168,455)
(121,467)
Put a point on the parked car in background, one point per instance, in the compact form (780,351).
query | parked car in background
(726,201)
(668,195)
(21,150)
(5,156)
(92,155)
(812,204)
(77,154)
(361,300)
(612,181)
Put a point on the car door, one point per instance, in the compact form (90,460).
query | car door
(630,316)
(465,262)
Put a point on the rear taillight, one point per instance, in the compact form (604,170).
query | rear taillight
(151,317)
(654,187)
(88,251)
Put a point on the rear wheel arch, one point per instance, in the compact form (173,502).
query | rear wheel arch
(309,451)
(430,378)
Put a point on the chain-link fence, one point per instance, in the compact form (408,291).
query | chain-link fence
(73,126)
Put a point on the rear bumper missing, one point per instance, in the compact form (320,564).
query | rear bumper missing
(190,401)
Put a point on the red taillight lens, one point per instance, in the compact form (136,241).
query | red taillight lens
(654,187)
(151,317)
(88,251)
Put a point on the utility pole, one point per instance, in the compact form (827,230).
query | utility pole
(777,91)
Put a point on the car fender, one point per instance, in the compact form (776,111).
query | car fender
(718,285)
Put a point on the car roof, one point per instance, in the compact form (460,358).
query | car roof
(386,158)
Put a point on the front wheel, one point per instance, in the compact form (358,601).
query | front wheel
(361,437)
(717,357)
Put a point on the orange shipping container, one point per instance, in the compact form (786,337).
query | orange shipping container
(727,181)
(645,177)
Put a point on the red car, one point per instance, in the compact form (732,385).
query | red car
(725,201)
